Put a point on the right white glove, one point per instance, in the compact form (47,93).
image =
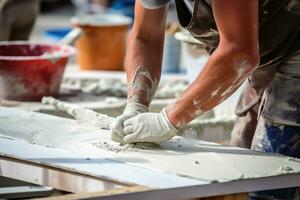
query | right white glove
(131,110)
(149,127)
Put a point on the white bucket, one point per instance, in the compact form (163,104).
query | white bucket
(171,54)
(193,55)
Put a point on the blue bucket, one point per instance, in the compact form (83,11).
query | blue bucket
(55,35)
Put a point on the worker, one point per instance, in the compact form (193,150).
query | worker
(17,19)
(257,41)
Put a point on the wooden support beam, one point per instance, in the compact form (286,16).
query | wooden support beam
(243,196)
(57,178)
(92,195)
(133,189)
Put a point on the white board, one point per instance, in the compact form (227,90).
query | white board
(177,163)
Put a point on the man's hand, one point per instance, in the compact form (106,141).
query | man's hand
(149,127)
(132,109)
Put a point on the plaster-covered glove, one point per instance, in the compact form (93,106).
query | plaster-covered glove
(132,109)
(149,127)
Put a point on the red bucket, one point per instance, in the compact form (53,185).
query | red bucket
(30,71)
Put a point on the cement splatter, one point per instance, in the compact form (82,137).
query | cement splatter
(285,169)
(199,111)
(111,147)
(215,92)
(142,81)
(83,115)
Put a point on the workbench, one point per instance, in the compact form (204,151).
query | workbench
(69,156)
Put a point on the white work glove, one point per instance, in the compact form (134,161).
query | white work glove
(149,127)
(132,109)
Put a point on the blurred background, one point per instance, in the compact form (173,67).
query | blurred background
(56,14)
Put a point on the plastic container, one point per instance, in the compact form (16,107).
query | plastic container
(102,44)
(29,71)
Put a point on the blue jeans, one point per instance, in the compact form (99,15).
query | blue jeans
(272,137)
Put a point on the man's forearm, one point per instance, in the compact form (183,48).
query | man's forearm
(143,66)
(224,73)
(144,55)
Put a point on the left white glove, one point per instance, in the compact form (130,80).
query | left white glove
(149,127)
(132,109)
